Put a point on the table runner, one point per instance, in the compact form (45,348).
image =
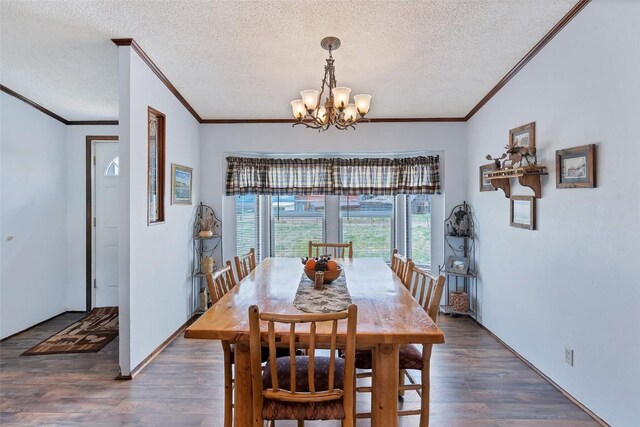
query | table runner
(333,298)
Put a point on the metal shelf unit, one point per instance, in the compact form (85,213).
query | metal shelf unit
(203,246)
(460,242)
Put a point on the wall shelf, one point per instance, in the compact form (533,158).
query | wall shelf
(528,176)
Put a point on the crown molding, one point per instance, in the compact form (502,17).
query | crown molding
(33,104)
(91,122)
(136,47)
(529,56)
(50,113)
(372,120)
(142,54)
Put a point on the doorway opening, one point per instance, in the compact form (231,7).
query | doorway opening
(102,200)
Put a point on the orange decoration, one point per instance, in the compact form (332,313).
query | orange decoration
(332,265)
(311,264)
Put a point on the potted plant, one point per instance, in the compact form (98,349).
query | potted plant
(206,226)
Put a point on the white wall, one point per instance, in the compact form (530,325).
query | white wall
(155,261)
(574,281)
(76,211)
(33,264)
(445,139)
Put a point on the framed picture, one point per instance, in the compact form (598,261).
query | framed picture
(523,137)
(458,265)
(523,212)
(181,184)
(485,183)
(576,167)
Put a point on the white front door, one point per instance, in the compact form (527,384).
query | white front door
(106,224)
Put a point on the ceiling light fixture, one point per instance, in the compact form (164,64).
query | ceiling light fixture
(336,111)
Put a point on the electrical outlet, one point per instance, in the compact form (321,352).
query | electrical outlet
(568,356)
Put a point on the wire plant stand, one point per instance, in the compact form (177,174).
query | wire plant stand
(460,241)
(207,237)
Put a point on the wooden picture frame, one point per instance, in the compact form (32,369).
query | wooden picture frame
(181,184)
(522,212)
(524,137)
(156,131)
(485,184)
(458,265)
(576,167)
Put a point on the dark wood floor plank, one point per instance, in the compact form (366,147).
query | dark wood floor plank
(475,382)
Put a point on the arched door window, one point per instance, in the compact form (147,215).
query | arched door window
(113,168)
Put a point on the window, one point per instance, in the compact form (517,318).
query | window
(294,221)
(418,209)
(247,223)
(156,144)
(368,221)
(113,168)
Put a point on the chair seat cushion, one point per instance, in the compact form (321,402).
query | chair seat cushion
(278,410)
(410,358)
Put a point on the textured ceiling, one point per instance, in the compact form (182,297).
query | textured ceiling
(241,59)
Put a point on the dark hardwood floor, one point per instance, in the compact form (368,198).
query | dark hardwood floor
(476,382)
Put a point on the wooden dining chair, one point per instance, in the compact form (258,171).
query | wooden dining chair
(303,387)
(399,265)
(336,250)
(427,290)
(245,264)
(218,284)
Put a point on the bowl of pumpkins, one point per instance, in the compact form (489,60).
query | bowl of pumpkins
(332,270)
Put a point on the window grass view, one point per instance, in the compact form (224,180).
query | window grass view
(368,221)
(294,221)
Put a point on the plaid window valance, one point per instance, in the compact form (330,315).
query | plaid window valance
(336,176)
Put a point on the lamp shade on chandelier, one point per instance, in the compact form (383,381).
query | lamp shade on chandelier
(337,109)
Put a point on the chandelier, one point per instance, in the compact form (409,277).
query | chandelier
(336,111)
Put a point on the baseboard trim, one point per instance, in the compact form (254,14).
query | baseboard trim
(40,323)
(549,380)
(135,371)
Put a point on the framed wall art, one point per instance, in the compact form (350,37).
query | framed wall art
(523,212)
(523,137)
(181,184)
(485,183)
(576,167)
(522,145)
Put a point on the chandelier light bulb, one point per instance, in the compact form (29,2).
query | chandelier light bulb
(297,108)
(310,99)
(341,97)
(321,115)
(363,103)
(350,113)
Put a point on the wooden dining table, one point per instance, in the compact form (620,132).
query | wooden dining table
(388,317)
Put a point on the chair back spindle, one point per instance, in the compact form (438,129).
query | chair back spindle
(275,336)
(336,250)
(245,264)
(220,282)
(426,289)
(401,266)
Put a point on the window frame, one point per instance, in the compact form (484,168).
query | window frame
(258,228)
(393,238)
(160,168)
(270,221)
(407,229)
